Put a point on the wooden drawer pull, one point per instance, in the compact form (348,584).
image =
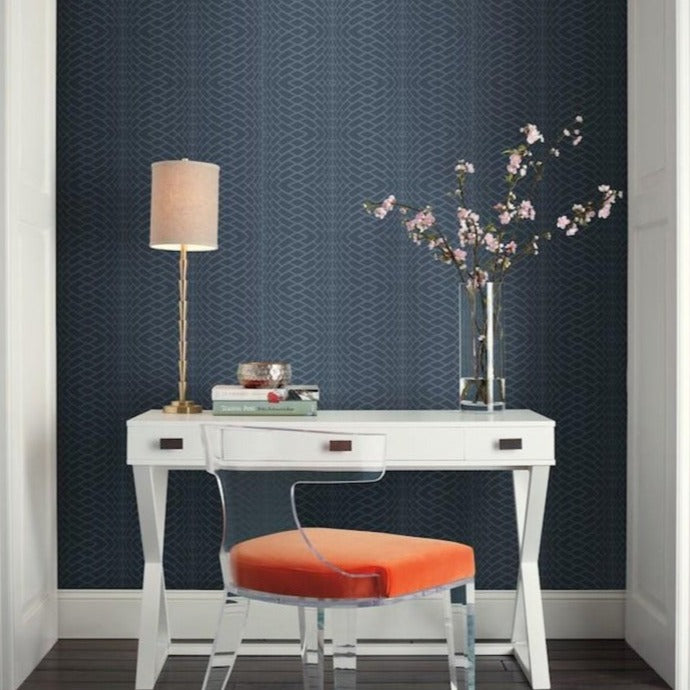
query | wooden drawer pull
(510,444)
(171,444)
(340,445)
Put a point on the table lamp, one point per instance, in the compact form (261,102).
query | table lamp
(184,218)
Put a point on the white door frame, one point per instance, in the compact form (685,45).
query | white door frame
(5,636)
(28,516)
(683,346)
(658,575)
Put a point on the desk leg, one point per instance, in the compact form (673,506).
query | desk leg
(151,484)
(529,635)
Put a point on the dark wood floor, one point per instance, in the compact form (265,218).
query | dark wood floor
(109,665)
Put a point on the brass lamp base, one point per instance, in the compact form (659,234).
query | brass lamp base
(184,407)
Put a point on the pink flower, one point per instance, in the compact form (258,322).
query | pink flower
(571,230)
(477,279)
(504,218)
(388,203)
(427,219)
(491,242)
(577,140)
(514,163)
(464,167)
(466,237)
(532,134)
(526,210)
(605,211)
(380,212)
(422,221)
(511,247)
(563,222)
(466,217)
(460,255)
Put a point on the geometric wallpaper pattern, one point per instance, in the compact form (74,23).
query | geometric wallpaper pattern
(310,107)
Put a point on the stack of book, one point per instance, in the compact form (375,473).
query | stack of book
(291,400)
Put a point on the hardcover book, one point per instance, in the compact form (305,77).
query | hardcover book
(237,392)
(261,407)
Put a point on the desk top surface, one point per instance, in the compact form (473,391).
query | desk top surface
(444,418)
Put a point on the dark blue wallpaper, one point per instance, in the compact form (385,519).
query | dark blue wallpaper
(309,107)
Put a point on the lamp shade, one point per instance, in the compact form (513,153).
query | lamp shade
(184,205)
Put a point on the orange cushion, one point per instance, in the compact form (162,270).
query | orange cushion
(282,563)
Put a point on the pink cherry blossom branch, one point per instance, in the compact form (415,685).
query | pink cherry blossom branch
(487,251)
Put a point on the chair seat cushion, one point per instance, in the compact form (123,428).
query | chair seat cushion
(392,564)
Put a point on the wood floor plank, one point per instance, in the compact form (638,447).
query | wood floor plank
(574,664)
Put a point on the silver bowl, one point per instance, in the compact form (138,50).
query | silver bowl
(264,374)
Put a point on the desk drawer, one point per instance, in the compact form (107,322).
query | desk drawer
(265,449)
(166,442)
(509,443)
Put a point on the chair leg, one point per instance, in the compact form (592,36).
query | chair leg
(231,621)
(470,634)
(311,646)
(344,630)
(450,639)
(457,660)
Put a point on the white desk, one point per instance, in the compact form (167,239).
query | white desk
(517,440)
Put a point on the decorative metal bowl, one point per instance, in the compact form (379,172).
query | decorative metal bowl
(264,374)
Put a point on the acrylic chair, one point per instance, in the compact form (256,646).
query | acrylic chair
(274,556)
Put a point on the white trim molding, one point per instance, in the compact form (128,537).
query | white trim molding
(28,495)
(682,670)
(271,629)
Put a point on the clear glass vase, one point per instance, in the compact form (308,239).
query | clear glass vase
(482,379)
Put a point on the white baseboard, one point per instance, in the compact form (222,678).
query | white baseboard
(569,614)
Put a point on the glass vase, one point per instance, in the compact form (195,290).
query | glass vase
(482,379)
